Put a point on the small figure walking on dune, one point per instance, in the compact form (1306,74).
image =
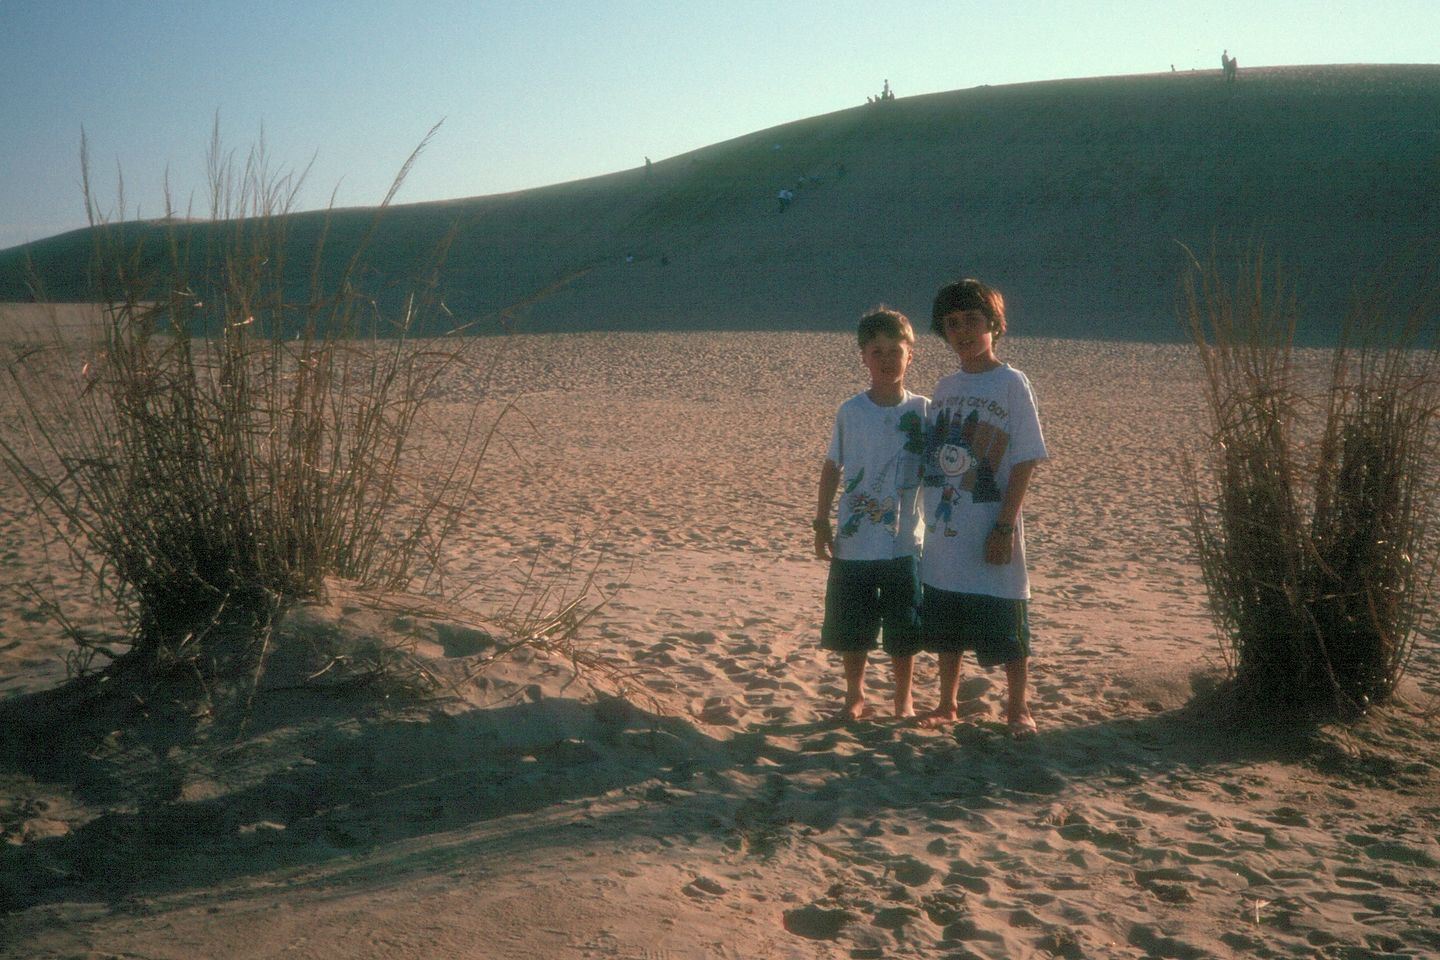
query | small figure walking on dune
(983,442)
(1230,65)
(873,588)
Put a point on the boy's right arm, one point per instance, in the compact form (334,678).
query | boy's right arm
(824,532)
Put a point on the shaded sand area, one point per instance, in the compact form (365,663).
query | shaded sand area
(536,817)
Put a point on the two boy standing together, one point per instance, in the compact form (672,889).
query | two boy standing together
(930,545)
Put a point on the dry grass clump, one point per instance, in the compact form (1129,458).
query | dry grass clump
(227,448)
(1313,525)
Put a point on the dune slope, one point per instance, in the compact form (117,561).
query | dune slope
(1073,196)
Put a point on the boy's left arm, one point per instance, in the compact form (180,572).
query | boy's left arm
(1000,543)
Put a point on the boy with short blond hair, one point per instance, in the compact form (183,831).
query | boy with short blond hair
(876,447)
(983,443)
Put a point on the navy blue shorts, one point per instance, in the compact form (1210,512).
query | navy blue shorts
(996,628)
(864,596)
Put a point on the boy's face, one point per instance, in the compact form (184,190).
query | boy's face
(887,359)
(968,333)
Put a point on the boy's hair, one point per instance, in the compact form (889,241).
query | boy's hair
(968,294)
(883,321)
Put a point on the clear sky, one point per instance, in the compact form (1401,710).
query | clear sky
(533,92)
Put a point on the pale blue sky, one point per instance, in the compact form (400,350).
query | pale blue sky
(536,92)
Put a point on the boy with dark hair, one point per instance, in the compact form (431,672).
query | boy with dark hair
(983,444)
(875,451)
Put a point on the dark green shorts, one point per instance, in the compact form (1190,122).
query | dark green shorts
(864,596)
(996,628)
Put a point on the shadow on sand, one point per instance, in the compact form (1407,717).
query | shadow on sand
(176,806)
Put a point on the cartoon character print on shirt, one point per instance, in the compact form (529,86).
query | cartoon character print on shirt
(864,507)
(963,456)
(862,502)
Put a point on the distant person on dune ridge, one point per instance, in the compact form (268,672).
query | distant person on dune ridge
(873,588)
(983,442)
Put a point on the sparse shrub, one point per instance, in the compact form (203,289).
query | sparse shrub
(1312,525)
(226,446)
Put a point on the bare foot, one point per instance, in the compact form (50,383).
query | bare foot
(938,718)
(856,710)
(904,711)
(1022,726)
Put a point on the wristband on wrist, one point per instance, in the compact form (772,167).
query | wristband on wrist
(820,524)
(1001,527)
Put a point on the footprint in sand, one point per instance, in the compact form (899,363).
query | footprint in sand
(732,667)
(703,888)
(969,876)
(817,923)
(1170,885)
(721,712)
(912,871)
(944,907)
(894,918)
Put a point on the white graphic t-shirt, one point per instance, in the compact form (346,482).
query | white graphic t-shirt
(980,426)
(879,452)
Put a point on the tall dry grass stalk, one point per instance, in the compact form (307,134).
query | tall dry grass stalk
(227,447)
(1312,523)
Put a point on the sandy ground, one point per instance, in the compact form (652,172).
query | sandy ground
(536,818)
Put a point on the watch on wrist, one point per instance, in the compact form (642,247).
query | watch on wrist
(1006,528)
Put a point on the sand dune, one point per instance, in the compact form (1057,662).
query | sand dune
(1078,193)
(536,817)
